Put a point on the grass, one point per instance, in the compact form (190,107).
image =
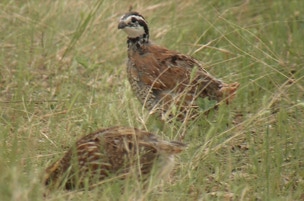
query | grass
(63,75)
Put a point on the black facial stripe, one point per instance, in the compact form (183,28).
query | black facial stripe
(144,24)
(134,19)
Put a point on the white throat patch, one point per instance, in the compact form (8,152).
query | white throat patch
(134,32)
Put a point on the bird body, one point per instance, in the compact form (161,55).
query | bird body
(163,79)
(116,151)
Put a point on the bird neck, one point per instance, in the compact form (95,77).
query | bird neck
(138,42)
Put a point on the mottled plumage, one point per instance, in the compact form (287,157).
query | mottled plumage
(165,81)
(115,151)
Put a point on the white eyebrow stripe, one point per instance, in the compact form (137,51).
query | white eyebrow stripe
(129,18)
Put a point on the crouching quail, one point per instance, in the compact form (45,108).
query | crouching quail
(116,151)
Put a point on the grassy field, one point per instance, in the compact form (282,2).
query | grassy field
(63,75)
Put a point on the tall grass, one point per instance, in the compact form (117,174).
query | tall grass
(63,75)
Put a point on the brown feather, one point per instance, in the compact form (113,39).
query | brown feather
(113,151)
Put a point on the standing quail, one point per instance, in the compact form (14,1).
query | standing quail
(116,151)
(167,82)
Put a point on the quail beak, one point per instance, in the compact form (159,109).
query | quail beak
(122,25)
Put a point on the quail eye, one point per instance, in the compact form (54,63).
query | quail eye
(133,19)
